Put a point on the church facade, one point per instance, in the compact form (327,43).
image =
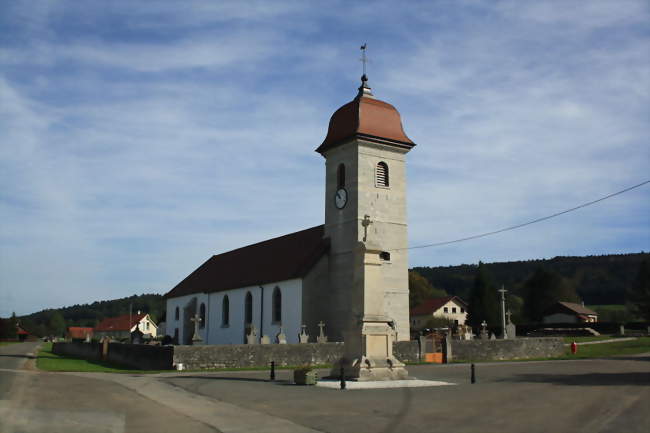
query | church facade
(294,282)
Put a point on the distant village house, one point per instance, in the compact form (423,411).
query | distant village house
(568,312)
(121,327)
(449,307)
(78,333)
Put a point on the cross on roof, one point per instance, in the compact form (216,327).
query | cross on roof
(364,59)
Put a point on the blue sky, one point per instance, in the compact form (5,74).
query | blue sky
(140,138)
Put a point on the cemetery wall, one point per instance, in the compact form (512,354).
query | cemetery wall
(494,350)
(141,356)
(78,350)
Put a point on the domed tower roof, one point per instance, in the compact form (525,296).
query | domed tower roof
(367,118)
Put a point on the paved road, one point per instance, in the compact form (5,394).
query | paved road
(608,395)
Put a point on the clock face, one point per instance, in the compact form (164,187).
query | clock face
(341,198)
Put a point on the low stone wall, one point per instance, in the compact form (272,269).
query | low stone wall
(498,350)
(256,355)
(141,356)
(407,351)
(135,356)
(78,350)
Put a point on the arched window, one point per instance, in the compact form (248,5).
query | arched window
(248,309)
(340,176)
(277,306)
(381,174)
(177,314)
(202,315)
(225,311)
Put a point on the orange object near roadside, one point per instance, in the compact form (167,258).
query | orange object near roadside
(574,348)
(433,357)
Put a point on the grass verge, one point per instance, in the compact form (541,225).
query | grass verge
(7,343)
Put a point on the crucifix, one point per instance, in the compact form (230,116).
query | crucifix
(321,325)
(197,320)
(508,314)
(503,291)
(365,223)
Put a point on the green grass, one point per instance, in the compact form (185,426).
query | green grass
(630,347)
(589,338)
(48,361)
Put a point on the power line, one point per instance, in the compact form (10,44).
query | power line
(468,238)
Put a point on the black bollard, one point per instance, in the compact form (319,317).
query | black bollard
(342,378)
(473,378)
(272,370)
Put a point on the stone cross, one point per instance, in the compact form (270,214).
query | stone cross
(508,314)
(197,321)
(365,223)
(322,338)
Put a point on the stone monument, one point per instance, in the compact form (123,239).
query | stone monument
(322,338)
(484,332)
(511,329)
(282,339)
(251,338)
(303,337)
(368,353)
(196,338)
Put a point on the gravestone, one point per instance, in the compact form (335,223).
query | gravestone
(492,336)
(196,338)
(251,338)
(511,329)
(303,337)
(621,330)
(484,332)
(322,338)
(282,339)
(265,340)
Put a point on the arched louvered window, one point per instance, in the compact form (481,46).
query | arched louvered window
(225,311)
(381,174)
(277,306)
(248,309)
(177,314)
(340,176)
(202,315)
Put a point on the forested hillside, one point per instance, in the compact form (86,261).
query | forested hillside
(597,279)
(54,321)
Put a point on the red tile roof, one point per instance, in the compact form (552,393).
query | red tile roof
(284,258)
(120,323)
(431,305)
(78,332)
(367,118)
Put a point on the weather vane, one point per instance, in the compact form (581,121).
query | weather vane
(364,59)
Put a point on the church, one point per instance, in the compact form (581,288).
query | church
(297,281)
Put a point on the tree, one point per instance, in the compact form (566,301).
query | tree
(483,300)
(543,289)
(420,289)
(638,295)
(57,323)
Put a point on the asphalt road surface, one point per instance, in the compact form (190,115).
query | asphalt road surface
(602,395)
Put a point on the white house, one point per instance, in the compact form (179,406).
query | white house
(307,277)
(450,307)
(121,327)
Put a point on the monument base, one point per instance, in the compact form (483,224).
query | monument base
(369,354)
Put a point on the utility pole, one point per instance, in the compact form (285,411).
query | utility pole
(503,291)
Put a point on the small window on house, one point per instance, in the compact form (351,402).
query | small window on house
(340,176)
(147,326)
(177,314)
(202,316)
(248,309)
(225,311)
(384,255)
(277,306)
(462,310)
(446,310)
(453,309)
(381,175)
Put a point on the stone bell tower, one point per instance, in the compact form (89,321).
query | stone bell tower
(365,220)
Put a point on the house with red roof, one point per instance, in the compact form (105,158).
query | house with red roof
(449,307)
(121,327)
(78,333)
